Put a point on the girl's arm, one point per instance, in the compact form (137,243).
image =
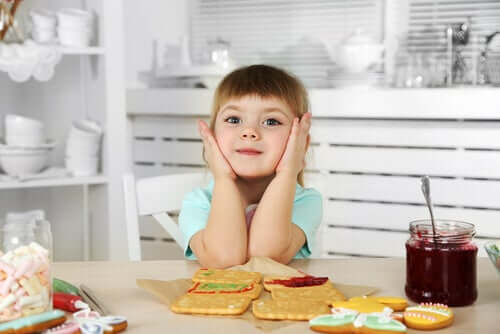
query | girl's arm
(272,232)
(223,242)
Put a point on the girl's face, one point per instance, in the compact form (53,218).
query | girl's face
(252,133)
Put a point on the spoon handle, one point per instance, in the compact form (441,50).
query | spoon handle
(426,190)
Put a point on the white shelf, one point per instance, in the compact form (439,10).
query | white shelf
(56,182)
(480,103)
(91,50)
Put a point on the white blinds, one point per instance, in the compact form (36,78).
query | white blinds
(285,33)
(428,19)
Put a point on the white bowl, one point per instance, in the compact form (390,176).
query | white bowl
(48,145)
(23,162)
(21,123)
(73,17)
(43,35)
(23,131)
(43,18)
(76,38)
(29,140)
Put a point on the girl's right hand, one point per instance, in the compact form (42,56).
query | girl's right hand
(217,163)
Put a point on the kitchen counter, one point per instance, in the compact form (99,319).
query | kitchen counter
(115,284)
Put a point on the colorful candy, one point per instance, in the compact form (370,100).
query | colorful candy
(22,292)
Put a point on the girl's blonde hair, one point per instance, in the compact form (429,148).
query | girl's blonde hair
(264,81)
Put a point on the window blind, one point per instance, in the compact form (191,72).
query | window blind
(287,33)
(427,21)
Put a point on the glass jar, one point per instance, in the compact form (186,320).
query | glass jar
(25,268)
(441,269)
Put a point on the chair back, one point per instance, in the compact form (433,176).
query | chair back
(157,197)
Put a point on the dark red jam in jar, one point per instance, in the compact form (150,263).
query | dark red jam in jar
(441,269)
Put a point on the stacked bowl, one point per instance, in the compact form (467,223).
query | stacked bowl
(44,25)
(26,150)
(75,27)
(82,149)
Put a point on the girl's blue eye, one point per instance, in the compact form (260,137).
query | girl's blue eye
(272,122)
(232,120)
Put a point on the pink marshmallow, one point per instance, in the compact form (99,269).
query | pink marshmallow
(6,284)
(23,268)
(20,292)
(33,269)
(6,267)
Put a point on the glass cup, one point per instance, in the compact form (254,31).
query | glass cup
(25,268)
(441,269)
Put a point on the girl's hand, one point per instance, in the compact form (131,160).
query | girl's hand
(217,163)
(293,159)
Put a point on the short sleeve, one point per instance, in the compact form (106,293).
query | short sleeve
(307,215)
(193,217)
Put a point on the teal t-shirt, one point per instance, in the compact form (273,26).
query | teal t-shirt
(306,214)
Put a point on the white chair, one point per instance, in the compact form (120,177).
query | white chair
(156,197)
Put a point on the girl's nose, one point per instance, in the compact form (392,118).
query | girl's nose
(249,134)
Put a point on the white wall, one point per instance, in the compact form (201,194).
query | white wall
(147,22)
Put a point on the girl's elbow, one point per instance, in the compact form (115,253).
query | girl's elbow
(223,261)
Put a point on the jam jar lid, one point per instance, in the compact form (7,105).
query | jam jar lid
(447,231)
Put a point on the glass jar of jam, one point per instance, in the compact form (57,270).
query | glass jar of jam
(441,268)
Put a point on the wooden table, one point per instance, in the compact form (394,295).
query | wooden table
(115,284)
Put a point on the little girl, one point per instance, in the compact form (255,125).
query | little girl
(255,147)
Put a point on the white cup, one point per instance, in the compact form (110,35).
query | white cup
(82,166)
(86,129)
(76,147)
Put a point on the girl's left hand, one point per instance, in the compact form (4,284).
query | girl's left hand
(293,159)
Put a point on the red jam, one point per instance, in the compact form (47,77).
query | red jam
(442,269)
(299,281)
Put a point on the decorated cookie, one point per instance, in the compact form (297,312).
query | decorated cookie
(325,293)
(34,323)
(241,289)
(291,309)
(92,322)
(226,276)
(69,327)
(221,304)
(350,322)
(362,306)
(293,282)
(428,316)
(395,303)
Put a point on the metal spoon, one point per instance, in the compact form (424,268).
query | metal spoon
(426,190)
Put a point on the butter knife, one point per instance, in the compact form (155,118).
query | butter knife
(90,298)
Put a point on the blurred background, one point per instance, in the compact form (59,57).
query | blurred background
(91,90)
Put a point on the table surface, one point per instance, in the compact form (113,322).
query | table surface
(115,284)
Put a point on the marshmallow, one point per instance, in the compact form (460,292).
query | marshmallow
(27,286)
(7,301)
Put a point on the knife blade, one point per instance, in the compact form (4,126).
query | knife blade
(90,298)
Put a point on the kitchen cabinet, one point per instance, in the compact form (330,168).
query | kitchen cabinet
(368,151)
(86,213)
